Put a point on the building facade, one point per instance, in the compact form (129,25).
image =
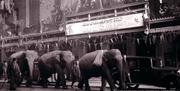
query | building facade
(136,27)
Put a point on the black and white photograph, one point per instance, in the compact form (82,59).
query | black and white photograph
(89,45)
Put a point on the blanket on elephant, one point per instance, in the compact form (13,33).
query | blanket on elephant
(95,57)
(99,57)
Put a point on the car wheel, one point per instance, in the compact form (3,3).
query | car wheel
(133,86)
(172,84)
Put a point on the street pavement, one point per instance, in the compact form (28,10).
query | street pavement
(95,84)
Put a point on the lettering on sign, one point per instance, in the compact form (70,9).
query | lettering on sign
(108,24)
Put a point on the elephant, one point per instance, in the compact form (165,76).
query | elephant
(105,63)
(20,66)
(54,62)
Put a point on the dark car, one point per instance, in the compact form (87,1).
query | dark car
(151,71)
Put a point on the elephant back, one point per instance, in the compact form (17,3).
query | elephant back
(17,54)
(90,57)
(66,56)
(87,60)
(49,55)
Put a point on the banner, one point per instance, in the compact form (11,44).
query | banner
(108,24)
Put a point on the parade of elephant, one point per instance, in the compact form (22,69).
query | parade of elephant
(107,64)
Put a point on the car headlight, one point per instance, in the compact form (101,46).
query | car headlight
(178,71)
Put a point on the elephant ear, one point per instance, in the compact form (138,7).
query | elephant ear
(112,54)
(67,56)
(117,53)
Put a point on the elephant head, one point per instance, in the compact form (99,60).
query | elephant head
(21,65)
(113,58)
(67,56)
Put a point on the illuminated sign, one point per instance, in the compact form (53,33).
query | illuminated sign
(108,24)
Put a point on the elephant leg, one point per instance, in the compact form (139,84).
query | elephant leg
(122,74)
(86,81)
(61,77)
(73,81)
(12,84)
(44,82)
(19,81)
(103,81)
(27,76)
(108,76)
(29,82)
(58,82)
(80,84)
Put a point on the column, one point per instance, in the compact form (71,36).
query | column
(27,13)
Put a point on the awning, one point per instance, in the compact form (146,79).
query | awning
(165,29)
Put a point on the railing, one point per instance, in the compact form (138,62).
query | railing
(31,38)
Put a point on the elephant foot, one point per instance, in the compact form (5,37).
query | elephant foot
(57,87)
(45,86)
(87,89)
(65,87)
(80,86)
(101,89)
(18,85)
(72,84)
(28,84)
(12,88)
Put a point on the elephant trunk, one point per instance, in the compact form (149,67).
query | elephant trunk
(75,72)
(121,66)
